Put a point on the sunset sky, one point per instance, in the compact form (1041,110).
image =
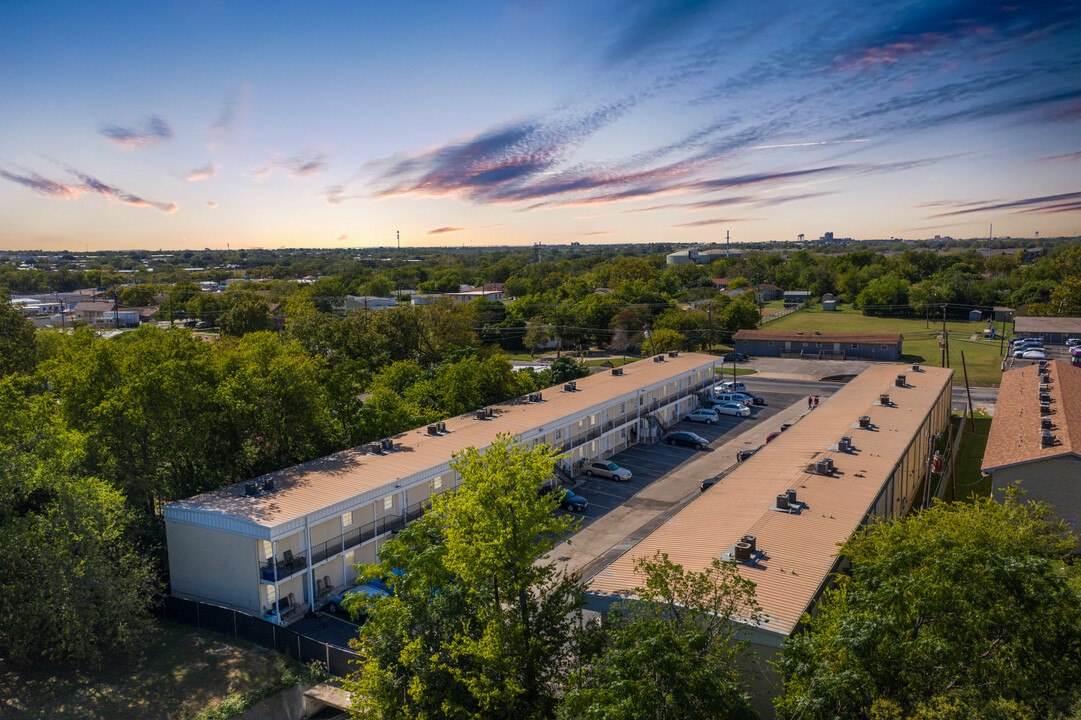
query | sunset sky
(201,123)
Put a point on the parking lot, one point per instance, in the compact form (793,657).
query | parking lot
(649,463)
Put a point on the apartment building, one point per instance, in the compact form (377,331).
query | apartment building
(1035,438)
(280,544)
(861,456)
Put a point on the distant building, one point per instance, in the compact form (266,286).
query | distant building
(720,283)
(698,257)
(975,315)
(1038,444)
(796,297)
(1051,329)
(819,345)
(367,302)
(768,292)
(105,314)
(1003,314)
(829,305)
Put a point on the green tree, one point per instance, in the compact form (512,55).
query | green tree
(249,314)
(478,628)
(538,332)
(18,344)
(965,606)
(73,589)
(137,295)
(884,296)
(672,653)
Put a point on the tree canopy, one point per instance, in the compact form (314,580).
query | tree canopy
(964,610)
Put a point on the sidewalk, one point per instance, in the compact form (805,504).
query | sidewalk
(610,536)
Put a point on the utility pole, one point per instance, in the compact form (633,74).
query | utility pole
(116,308)
(649,335)
(972,420)
(709,324)
(944,335)
(727,243)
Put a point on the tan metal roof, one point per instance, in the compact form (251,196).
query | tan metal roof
(801,548)
(793,335)
(318,484)
(1047,324)
(1015,431)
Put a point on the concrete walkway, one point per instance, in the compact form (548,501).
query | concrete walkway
(608,537)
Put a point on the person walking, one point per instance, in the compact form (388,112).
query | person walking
(810,401)
(816,401)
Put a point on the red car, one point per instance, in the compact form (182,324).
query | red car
(772,435)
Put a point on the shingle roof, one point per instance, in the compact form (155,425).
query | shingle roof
(1015,430)
(801,549)
(793,335)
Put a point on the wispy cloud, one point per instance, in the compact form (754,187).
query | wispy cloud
(152,131)
(306,163)
(229,116)
(342,237)
(211,203)
(87,184)
(202,173)
(712,221)
(1066,202)
(652,23)
(444,230)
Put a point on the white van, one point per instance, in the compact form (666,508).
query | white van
(729,387)
(731,397)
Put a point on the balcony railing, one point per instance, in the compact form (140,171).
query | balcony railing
(274,570)
(364,533)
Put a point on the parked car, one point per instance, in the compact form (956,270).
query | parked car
(382,583)
(607,469)
(1028,344)
(687,438)
(1034,355)
(736,357)
(357,600)
(732,408)
(1071,342)
(772,436)
(573,502)
(749,398)
(703,415)
(744,454)
(1076,350)
(203,325)
(785,426)
(729,386)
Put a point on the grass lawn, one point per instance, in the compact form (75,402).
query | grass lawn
(968,479)
(727,370)
(983,357)
(183,674)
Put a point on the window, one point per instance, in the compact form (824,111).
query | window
(804,344)
(769,343)
(622,408)
(883,347)
(347,519)
(268,550)
(855,346)
(559,434)
(438,482)
(623,432)
(818,344)
(592,420)
(580,423)
(593,447)
(388,502)
(271,596)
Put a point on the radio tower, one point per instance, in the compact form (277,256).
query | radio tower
(727,243)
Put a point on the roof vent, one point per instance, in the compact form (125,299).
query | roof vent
(901,381)
(268,485)
(782,501)
(443,426)
(743,552)
(1045,377)
(251,489)
(884,400)
(433,429)
(1045,397)
(865,421)
(490,412)
(916,367)
(1045,423)
(799,332)
(750,540)
(570,387)
(1047,438)
(617,371)
(1045,387)
(673,354)
(480,414)
(658,358)
(374,448)
(791,494)
(844,444)
(1045,407)
(817,332)
(386,444)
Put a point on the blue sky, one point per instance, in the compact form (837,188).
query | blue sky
(197,124)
